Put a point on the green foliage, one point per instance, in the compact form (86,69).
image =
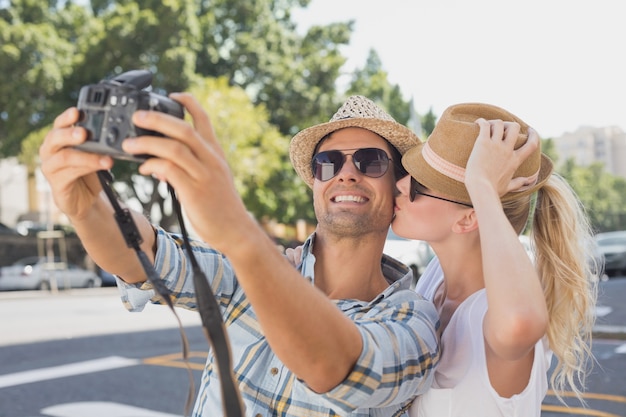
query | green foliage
(38,58)
(257,152)
(548,147)
(256,46)
(428,123)
(603,195)
(30,148)
(372,82)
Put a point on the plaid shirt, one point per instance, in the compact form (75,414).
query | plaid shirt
(398,329)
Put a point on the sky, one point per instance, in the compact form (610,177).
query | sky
(557,64)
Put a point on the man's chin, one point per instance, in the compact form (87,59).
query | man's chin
(346,226)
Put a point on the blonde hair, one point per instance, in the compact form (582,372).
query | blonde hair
(561,235)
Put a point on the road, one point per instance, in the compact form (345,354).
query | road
(80,353)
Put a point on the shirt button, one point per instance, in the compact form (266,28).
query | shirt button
(274,371)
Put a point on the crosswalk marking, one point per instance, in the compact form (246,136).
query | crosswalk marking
(602,311)
(100,409)
(78,368)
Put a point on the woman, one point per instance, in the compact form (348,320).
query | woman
(502,318)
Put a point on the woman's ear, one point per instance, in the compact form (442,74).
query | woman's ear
(467,222)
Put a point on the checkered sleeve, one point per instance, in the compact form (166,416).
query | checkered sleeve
(400,350)
(175,269)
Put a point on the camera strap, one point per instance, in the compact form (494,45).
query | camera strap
(208,308)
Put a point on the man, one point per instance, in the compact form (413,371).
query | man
(350,338)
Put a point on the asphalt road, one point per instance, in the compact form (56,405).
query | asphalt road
(611,309)
(79,352)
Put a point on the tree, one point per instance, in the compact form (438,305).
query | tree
(255,149)
(428,123)
(255,44)
(548,147)
(28,157)
(372,81)
(35,48)
(601,193)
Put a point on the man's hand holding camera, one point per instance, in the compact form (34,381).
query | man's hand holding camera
(188,157)
(71,173)
(191,160)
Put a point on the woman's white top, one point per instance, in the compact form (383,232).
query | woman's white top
(461,386)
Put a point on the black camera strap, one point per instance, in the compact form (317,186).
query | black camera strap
(210,314)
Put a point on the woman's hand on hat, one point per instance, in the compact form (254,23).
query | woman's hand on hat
(494,159)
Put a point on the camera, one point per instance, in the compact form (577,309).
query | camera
(107,108)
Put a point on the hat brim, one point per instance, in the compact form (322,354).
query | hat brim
(304,143)
(415,164)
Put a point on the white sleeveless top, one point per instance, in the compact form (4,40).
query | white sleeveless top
(461,387)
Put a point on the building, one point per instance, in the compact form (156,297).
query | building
(13,191)
(24,196)
(589,144)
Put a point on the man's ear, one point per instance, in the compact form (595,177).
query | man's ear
(467,222)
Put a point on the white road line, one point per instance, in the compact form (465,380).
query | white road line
(602,311)
(100,409)
(621,349)
(36,375)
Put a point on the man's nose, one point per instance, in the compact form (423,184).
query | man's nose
(349,171)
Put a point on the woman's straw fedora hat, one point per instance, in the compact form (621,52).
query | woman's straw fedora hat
(357,111)
(439,163)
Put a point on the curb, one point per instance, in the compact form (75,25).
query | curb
(600,331)
(89,292)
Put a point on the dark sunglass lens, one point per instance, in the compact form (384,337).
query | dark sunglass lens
(412,190)
(371,162)
(327,164)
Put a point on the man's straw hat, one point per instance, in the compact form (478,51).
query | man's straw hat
(357,111)
(439,163)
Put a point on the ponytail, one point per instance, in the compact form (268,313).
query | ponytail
(561,235)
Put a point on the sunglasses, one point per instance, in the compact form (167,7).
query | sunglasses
(416,189)
(371,162)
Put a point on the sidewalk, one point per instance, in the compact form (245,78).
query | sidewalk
(33,316)
(36,316)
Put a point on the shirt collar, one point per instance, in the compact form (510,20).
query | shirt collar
(397,274)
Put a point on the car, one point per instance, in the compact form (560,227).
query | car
(612,246)
(595,262)
(31,228)
(108,279)
(36,273)
(413,253)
